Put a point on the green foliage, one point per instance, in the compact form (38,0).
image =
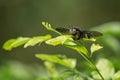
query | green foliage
(70,73)
(95,47)
(17,71)
(111,36)
(116,76)
(58,40)
(13,43)
(107,70)
(57,59)
(112,28)
(49,27)
(35,40)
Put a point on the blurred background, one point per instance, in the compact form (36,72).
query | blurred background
(24,17)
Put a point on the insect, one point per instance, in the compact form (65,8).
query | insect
(78,33)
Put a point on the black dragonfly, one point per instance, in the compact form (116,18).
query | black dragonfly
(78,33)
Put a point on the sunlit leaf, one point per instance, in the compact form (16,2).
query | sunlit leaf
(79,48)
(95,47)
(7,45)
(116,76)
(19,41)
(13,43)
(58,40)
(49,27)
(46,25)
(70,63)
(106,68)
(35,40)
(69,43)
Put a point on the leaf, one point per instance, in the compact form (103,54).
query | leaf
(79,48)
(13,43)
(35,40)
(70,63)
(91,39)
(116,76)
(112,43)
(58,40)
(95,47)
(51,69)
(111,33)
(111,28)
(69,43)
(106,68)
(49,27)
(7,44)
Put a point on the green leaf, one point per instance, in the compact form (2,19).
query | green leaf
(111,33)
(112,28)
(95,47)
(58,40)
(13,43)
(70,63)
(116,76)
(106,68)
(35,40)
(79,48)
(49,27)
(51,69)
(69,43)
(112,43)
(7,44)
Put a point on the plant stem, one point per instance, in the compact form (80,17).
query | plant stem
(94,66)
(89,60)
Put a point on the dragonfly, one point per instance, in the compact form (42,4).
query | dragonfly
(77,33)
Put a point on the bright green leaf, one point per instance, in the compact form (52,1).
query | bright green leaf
(70,63)
(116,76)
(58,40)
(106,68)
(13,43)
(49,27)
(19,41)
(35,40)
(69,43)
(7,44)
(95,47)
(79,48)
